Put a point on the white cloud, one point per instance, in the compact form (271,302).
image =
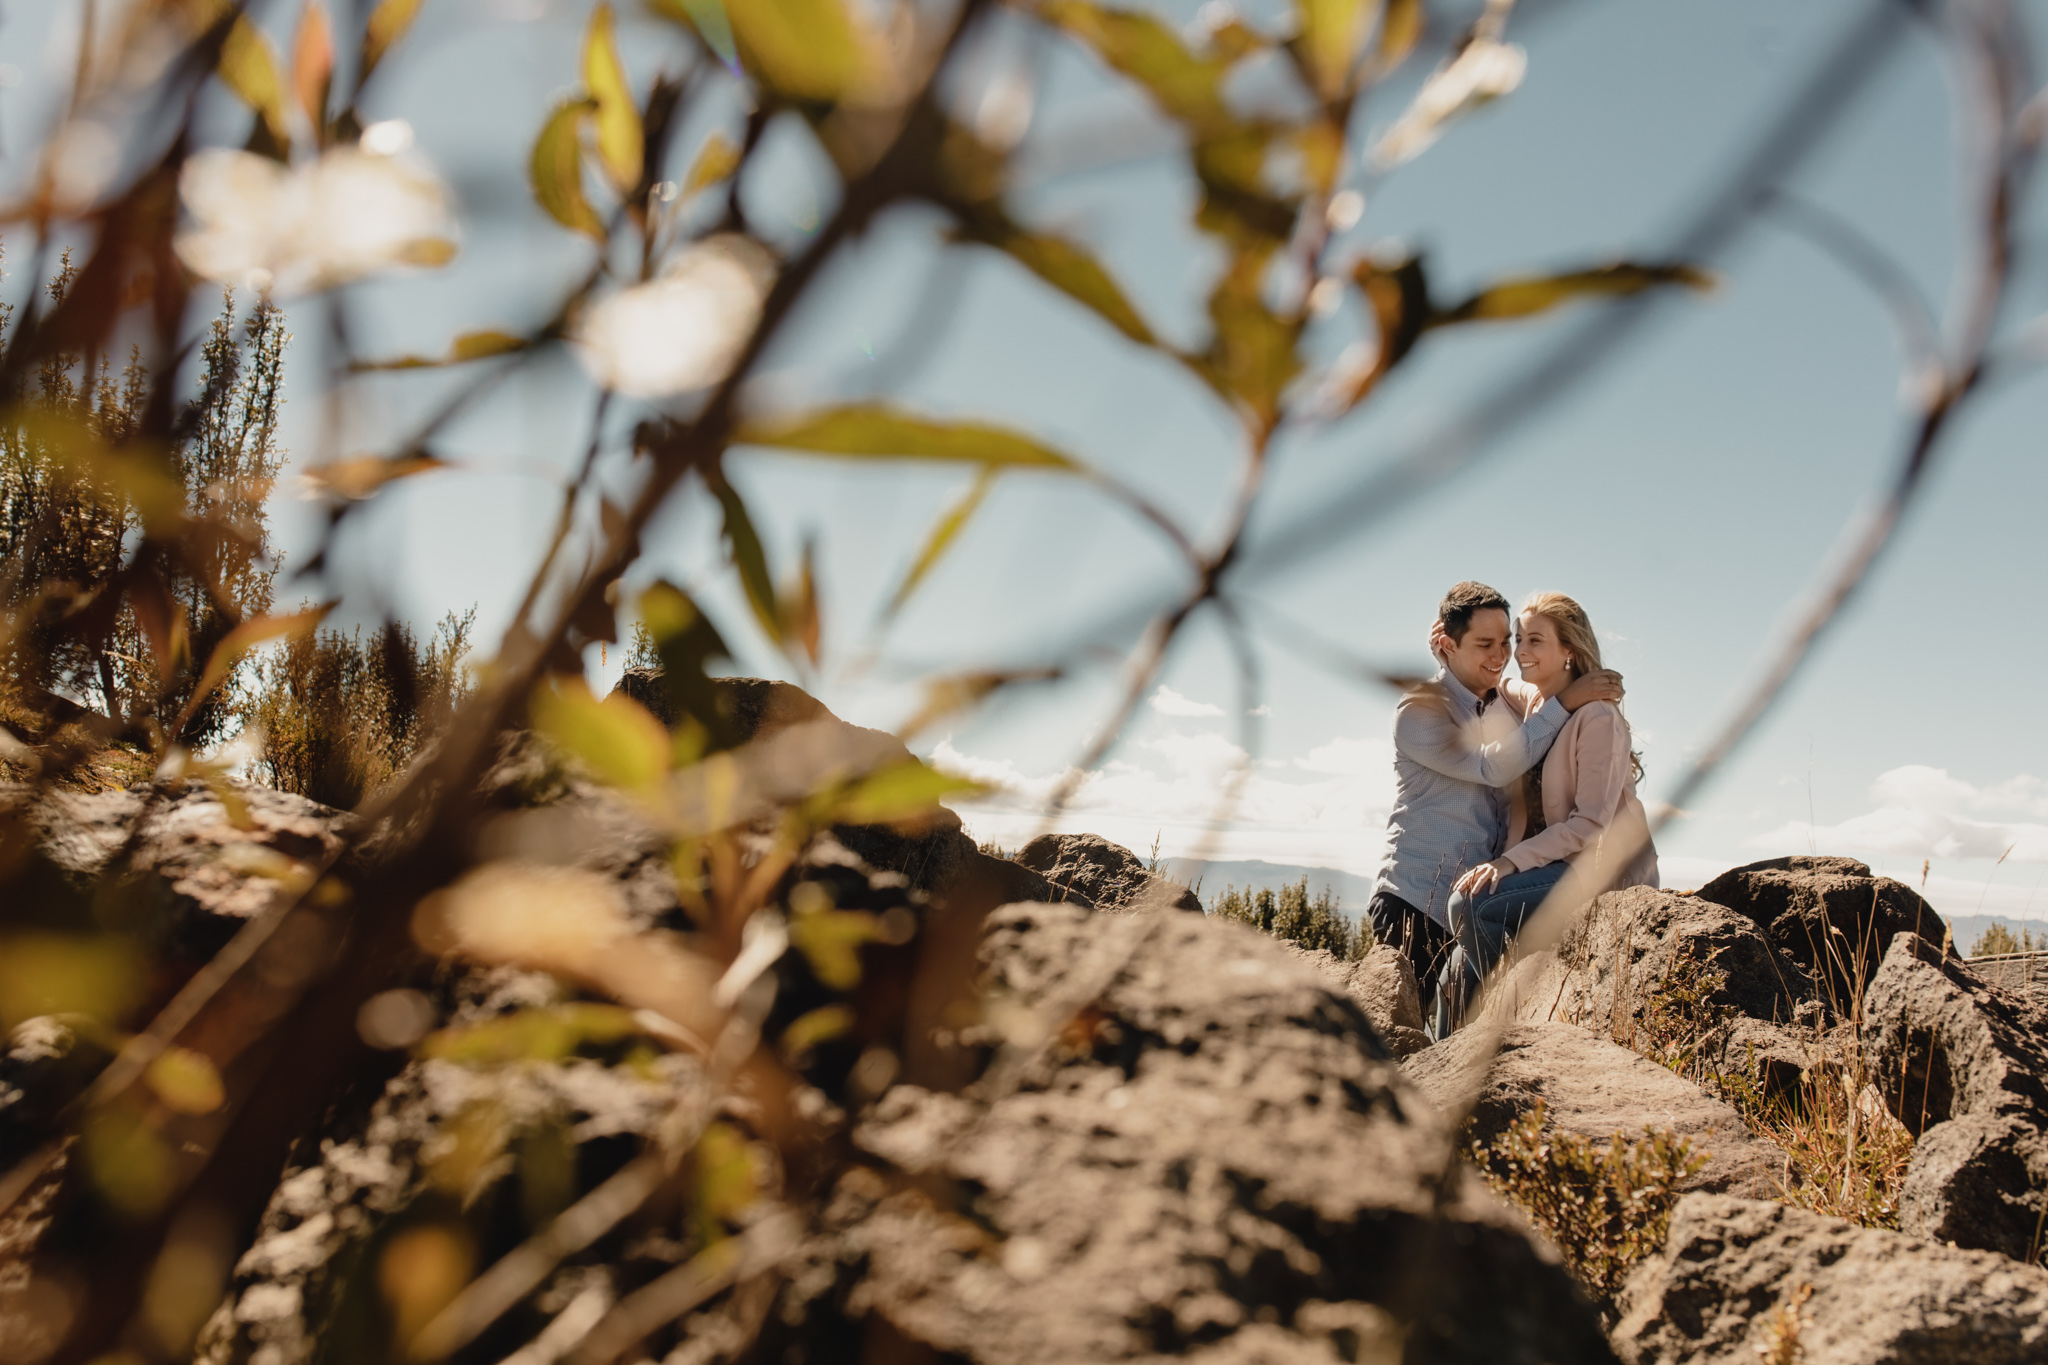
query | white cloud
(1168,702)
(1260,711)
(1922,812)
(1326,808)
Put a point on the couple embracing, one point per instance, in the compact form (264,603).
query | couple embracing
(1506,790)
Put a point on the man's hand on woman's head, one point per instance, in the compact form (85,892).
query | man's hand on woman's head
(1438,640)
(1479,880)
(1603,684)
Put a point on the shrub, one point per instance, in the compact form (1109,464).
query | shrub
(1605,1206)
(338,716)
(1293,915)
(77,496)
(1998,940)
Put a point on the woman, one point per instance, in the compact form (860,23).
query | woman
(1575,814)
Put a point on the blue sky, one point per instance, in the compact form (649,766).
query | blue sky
(1685,495)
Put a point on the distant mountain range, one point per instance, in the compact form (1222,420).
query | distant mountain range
(1351,890)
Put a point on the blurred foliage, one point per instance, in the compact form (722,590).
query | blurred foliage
(1998,939)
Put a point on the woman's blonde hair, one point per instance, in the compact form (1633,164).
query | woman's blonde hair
(1581,645)
(1574,629)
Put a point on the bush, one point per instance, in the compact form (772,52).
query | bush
(1998,940)
(1605,1206)
(1294,916)
(337,716)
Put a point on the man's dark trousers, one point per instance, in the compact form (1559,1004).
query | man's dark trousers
(1424,942)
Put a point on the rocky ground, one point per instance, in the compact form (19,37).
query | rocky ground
(1132,1133)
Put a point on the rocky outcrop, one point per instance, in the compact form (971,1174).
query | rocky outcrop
(1383,985)
(1188,1145)
(1595,1088)
(1089,869)
(1829,920)
(1964,1065)
(1740,1281)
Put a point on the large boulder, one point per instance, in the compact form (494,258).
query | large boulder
(1383,985)
(1189,1144)
(1964,1065)
(1089,869)
(1829,920)
(1740,1280)
(1595,1088)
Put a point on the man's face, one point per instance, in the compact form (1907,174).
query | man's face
(1477,660)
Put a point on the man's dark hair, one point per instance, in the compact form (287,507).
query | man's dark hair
(1455,611)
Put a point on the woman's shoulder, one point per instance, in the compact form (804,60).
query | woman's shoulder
(1596,716)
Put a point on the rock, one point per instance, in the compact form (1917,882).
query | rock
(1964,1065)
(1089,869)
(1829,920)
(1737,1276)
(1383,985)
(1192,1146)
(2024,973)
(46,1065)
(1595,1088)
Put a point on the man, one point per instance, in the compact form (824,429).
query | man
(1457,743)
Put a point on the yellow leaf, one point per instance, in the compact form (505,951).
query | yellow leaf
(820,1025)
(1070,269)
(717,160)
(615,738)
(1331,31)
(620,145)
(807,49)
(66,974)
(943,534)
(249,68)
(358,476)
(239,641)
(830,940)
(749,557)
(557,169)
(388,23)
(905,794)
(313,63)
(1189,88)
(186,1081)
(1400,30)
(535,1035)
(877,431)
(469,346)
(1530,295)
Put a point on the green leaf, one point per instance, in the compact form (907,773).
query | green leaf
(717,159)
(536,1035)
(748,557)
(1252,355)
(905,794)
(706,20)
(388,23)
(806,49)
(1331,31)
(1400,30)
(621,145)
(249,68)
(1530,295)
(802,625)
(877,431)
(615,738)
(1070,269)
(557,169)
(1399,298)
(469,346)
(943,534)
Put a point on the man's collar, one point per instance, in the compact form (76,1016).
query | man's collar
(1464,695)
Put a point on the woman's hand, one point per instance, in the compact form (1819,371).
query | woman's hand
(1479,880)
(1603,685)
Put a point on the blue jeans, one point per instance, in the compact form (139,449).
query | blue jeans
(1485,925)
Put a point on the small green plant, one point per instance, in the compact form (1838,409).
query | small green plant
(339,715)
(1292,914)
(1606,1206)
(1998,940)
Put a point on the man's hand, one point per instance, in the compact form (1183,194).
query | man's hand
(1600,685)
(1479,880)
(1438,641)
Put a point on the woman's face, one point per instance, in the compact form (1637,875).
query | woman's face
(1544,663)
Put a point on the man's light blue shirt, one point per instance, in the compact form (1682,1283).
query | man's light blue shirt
(1453,755)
